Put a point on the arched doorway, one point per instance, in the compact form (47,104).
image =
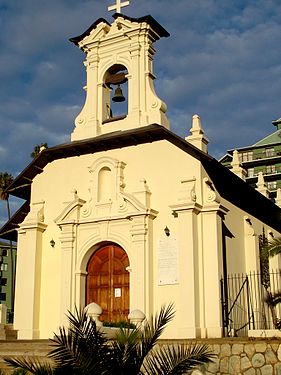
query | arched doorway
(108,282)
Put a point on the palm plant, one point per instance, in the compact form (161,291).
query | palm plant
(84,349)
(5,181)
(272,248)
(38,149)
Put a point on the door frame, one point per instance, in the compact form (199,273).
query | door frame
(109,301)
(81,270)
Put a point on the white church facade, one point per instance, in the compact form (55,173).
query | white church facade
(127,214)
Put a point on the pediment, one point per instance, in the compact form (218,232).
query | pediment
(95,35)
(121,25)
(126,205)
(71,213)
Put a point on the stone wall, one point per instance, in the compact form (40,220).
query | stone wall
(247,357)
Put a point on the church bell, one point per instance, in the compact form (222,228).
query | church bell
(118,95)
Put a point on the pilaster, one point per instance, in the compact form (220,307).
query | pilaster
(187,217)
(67,239)
(141,271)
(212,213)
(29,258)
(252,256)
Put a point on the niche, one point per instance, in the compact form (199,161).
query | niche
(105,185)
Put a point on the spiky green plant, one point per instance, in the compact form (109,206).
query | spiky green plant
(84,349)
(272,248)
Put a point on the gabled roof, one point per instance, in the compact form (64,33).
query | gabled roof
(229,186)
(270,139)
(77,39)
(119,139)
(149,20)
(8,231)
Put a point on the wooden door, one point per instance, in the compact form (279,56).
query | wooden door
(108,283)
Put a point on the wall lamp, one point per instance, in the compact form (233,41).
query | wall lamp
(249,221)
(52,243)
(167,231)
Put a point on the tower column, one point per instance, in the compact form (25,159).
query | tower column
(119,53)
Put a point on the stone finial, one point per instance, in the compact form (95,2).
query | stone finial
(236,166)
(136,317)
(197,137)
(278,198)
(196,125)
(94,311)
(143,193)
(261,185)
(235,159)
(42,147)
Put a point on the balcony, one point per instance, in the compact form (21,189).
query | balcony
(249,157)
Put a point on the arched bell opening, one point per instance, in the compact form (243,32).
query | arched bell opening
(115,93)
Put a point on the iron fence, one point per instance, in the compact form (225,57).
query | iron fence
(243,302)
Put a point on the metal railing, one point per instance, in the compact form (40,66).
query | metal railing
(244,305)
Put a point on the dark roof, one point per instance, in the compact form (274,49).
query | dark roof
(8,231)
(119,139)
(77,39)
(229,186)
(148,19)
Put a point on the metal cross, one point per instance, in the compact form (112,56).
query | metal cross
(119,4)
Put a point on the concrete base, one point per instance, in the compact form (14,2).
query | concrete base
(263,333)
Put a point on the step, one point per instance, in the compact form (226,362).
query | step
(15,348)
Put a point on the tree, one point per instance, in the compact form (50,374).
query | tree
(84,349)
(38,149)
(5,181)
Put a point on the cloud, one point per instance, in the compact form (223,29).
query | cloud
(222,61)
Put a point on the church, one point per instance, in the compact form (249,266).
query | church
(129,215)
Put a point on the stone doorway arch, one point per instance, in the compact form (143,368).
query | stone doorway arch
(108,282)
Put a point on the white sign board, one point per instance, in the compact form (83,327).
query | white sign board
(168,261)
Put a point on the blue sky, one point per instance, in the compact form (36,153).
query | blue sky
(222,61)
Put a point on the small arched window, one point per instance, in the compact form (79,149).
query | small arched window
(105,185)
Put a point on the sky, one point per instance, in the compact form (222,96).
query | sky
(222,61)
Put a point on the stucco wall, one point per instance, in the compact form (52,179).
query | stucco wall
(174,182)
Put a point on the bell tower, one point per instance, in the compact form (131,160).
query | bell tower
(120,91)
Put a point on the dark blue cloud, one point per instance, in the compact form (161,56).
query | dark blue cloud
(222,61)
